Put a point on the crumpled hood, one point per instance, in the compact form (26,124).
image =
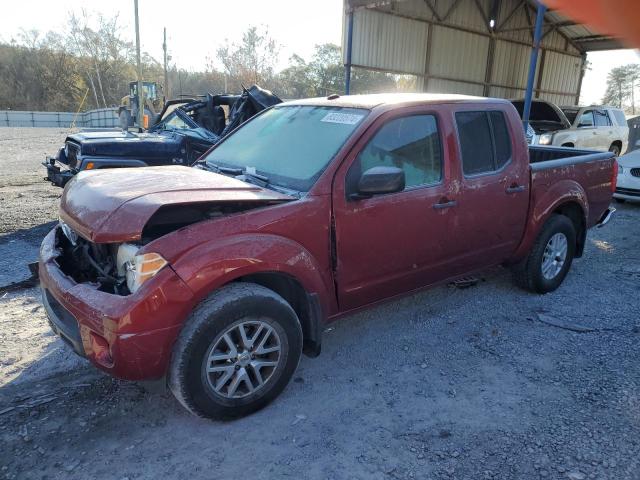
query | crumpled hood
(114,205)
(119,143)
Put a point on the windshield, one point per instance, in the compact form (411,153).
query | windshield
(290,145)
(570,113)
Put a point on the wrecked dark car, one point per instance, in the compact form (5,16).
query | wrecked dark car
(185,129)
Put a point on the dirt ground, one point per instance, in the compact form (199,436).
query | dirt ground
(487,382)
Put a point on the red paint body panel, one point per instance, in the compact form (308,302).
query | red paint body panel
(384,246)
(113,205)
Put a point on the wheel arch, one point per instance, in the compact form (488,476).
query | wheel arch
(574,211)
(566,198)
(306,305)
(274,262)
(617,143)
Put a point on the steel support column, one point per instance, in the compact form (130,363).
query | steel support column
(347,66)
(537,35)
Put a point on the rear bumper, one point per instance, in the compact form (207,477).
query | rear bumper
(55,174)
(129,337)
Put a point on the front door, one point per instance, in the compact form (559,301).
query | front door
(393,243)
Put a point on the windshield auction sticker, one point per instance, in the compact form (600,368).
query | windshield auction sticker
(344,118)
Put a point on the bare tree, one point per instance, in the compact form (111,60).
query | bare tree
(252,60)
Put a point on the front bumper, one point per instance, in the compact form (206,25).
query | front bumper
(627,186)
(55,174)
(129,337)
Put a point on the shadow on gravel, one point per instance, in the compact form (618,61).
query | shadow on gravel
(33,235)
(17,251)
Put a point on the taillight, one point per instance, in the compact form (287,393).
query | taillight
(614,176)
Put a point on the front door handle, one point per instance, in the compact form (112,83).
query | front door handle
(515,189)
(445,204)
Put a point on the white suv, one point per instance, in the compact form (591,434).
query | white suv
(590,128)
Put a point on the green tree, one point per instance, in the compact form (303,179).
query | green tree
(621,84)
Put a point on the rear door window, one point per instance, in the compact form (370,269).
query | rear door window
(602,119)
(485,143)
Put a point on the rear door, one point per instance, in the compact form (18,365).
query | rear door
(494,192)
(604,130)
(393,243)
(586,134)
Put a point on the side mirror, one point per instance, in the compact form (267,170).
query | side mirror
(379,180)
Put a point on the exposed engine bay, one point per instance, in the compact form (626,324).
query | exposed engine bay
(118,268)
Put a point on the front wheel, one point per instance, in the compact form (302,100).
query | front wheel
(236,352)
(549,260)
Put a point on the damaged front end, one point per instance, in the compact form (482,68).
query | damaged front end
(88,262)
(122,268)
(118,269)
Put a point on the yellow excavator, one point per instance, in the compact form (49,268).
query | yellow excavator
(153,105)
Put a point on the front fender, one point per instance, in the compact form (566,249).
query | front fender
(567,136)
(547,201)
(210,265)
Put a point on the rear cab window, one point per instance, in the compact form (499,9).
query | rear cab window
(485,142)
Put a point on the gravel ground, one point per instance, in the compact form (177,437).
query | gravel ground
(487,382)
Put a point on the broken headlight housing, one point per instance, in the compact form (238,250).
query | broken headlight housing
(137,268)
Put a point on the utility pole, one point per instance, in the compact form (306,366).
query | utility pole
(166,76)
(140,92)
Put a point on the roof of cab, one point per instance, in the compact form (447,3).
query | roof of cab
(371,101)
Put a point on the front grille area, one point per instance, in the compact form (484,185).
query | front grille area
(632,192)
(87,262)
(635,172)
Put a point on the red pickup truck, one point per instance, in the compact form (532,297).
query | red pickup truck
(216,278)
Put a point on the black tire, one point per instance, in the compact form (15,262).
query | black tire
(615,149)
(125,119)
(528,274)
(620,200)
(222,310)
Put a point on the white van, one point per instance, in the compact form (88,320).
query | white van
(590,128)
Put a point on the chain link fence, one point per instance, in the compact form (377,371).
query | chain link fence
(101,118)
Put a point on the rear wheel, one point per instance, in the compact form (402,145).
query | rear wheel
(615,149)
(549,260)
(236,353)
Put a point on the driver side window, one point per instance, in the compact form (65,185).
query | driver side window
(409,143)
(586,119)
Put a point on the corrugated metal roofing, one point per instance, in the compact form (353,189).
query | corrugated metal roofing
(465,54)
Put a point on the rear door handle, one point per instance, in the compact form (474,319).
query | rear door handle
(515,189)
(443,205)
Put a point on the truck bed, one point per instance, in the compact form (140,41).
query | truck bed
(578,172)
